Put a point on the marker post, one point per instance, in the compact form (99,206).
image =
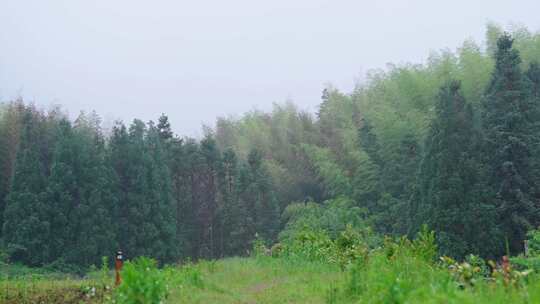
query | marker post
(118,264)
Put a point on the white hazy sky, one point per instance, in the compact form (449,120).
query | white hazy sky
(196,60)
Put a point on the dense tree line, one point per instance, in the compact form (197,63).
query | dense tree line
(71,194)
(453,144)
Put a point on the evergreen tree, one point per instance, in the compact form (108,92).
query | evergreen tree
(62,193)
(532,91)
(257,197)
(508,144)
(10,129)
(181,187)
(452,198)
(146,207)
(187,180)
(119,160)
(160,199)
(96,231)
(164,128)
(228,178)
(26,224)
(208,207)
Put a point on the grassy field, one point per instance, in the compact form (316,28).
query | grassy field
(233,280)
(266,280)
(387,275)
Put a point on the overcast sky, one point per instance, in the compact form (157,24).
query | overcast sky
(196,60)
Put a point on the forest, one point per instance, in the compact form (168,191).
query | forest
(451,144)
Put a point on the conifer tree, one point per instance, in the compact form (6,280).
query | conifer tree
(508,144)
(96,231)
(10,128)
(228,178)
(208,185)
(63,192)
(532,92)
(452,198)
(26,224)
(160,199)
(118,158)
(259,201)
(146,208)
(164,128)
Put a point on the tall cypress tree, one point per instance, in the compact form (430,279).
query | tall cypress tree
(180,175)
(26,223)
(228,176)
(10,128)
(208,185)
(508,144)
(452,198)
(146,209)
(119,158)
(95,229)
(62,194)
(532,91)
(159,199)
(138,230)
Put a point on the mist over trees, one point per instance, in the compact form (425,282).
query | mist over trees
(452,143)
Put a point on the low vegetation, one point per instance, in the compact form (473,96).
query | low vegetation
(310,267)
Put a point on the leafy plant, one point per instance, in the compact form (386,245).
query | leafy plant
(142,283)
(424,245)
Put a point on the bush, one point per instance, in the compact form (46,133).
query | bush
(532,261)
(309,245)
(349,246)
(524,263)
(142,283)
(533,239)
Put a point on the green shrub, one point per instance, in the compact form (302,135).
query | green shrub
(424,245)
(533,239)
(142,283)
(524,263)
(350,247)
(309,245)
(532,261)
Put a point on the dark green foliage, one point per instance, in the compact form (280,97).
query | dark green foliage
(509,142)
(10,126)
(27,224)
(229,211)
(63,192)
(258,190)
(452,198)
(96,230)
(146,208)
